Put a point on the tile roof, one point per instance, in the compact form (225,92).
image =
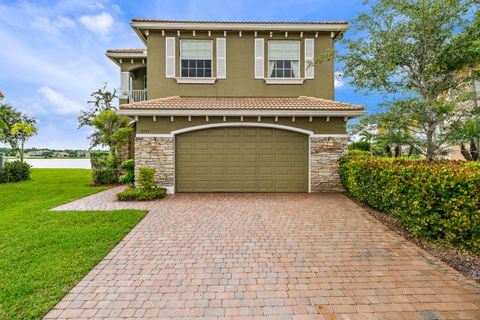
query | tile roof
(241,103)
(239,22)
(126,50)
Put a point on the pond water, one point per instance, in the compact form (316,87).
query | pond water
(59,163)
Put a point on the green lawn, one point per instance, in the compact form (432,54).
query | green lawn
(43,254)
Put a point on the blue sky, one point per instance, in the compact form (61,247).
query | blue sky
(53,52)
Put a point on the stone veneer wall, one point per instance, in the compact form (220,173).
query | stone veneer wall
(158,153)
(324,156)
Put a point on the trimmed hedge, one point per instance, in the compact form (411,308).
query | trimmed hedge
(437,200)
(138,194)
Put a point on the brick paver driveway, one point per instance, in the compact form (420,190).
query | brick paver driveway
(279,256)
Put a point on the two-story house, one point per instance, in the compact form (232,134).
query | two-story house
(235,106)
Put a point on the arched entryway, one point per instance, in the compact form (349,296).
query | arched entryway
(241,158)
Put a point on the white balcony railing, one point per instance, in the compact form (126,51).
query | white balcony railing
(137,95)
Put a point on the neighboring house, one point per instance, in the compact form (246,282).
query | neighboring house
(235,106)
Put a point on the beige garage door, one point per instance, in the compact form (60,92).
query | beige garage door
(241,159)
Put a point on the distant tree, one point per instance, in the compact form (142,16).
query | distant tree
(9,118)
(112,130)
(23,131)
(400,48)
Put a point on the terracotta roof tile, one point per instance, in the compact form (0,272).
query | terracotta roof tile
(239,22)
(241,103)
(126,50)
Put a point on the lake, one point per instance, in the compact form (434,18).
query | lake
(60,163)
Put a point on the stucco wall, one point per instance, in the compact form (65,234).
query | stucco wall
(240,67)
(164,125)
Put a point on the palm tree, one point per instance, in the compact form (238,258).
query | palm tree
(469,133)
(24,131)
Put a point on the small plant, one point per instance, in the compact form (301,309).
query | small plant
(147,188)
(146,178)
(128,167)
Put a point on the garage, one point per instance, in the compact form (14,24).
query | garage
(241,159)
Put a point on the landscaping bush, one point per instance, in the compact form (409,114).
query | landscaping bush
(128,167)
(105,169)
(105,176)
(146,178)
(436,200)
(15,171)
(147,188)
(138,194)
(360,145)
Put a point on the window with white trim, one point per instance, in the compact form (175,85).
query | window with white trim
(283,59)
(196,58)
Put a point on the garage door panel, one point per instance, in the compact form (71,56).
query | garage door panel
(241,159)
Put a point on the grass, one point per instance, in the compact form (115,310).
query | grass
(43,253)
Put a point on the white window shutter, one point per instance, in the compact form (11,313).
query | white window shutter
(309,58)
(124,83)
(221,58)
(259,58)
(170,57)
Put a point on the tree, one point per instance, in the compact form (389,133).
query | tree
(112,130)
(9,117)
(400,48)
(468,133)
(386,131)
(23,131)
(102,100)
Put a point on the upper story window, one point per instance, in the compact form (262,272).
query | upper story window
(196,58)
(283,59)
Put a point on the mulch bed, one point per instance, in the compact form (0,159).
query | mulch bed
(463,261)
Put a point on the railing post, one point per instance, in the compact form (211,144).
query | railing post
(1,161)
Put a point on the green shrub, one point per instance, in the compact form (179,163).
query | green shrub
(360,145)
(105,169)
(105,176)
(138,194)
(146,178)
(15,171)
(147,187)
(128,176)
(437,200)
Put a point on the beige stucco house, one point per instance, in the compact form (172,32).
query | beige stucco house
(235,106)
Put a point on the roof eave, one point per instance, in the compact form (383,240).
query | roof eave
(124,55)
(240,112)
(240,26)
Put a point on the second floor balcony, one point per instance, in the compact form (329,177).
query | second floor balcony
(137,95)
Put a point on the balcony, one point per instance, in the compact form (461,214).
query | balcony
(137,95)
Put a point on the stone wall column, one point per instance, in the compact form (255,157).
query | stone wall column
(325,153)
(157,152)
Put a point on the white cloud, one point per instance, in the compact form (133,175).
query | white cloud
(56,102)
(101,23)
(339,81)
(53,26)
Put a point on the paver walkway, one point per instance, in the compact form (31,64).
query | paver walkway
(277,256)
